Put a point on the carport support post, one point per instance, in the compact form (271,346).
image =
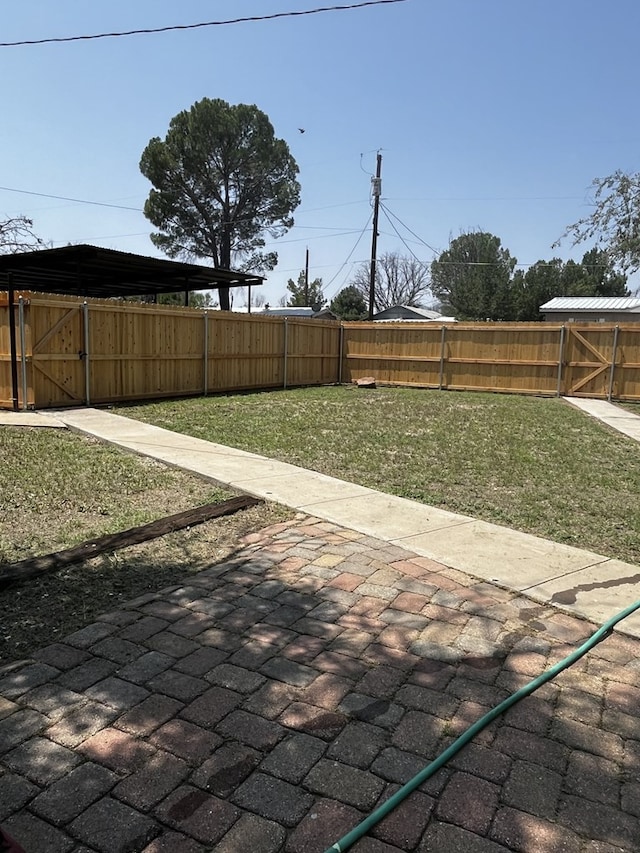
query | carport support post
(613,361)
(87,366)
(23,355)
(560,357)
(12,344)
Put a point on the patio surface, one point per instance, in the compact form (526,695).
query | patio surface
(274,701)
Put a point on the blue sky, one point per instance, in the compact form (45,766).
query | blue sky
(492,114)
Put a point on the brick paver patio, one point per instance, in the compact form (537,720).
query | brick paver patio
(275,700)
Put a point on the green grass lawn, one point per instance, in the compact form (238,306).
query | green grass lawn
(58,489)
(533,464)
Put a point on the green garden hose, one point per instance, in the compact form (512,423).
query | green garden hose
(362,828)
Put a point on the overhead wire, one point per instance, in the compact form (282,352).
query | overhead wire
(308,239)
(496,198)
(388,212)
(384,207)
(140,210)
(348,258)
(67,198)
(201,25)
(406,227)
(398,234)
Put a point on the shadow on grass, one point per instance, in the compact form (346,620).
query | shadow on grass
(51,606)
(273,699)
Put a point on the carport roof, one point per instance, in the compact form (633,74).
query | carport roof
(103,273)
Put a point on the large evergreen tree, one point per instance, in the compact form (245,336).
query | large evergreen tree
(473,277)
(303,295)
(349,304)
(221,181)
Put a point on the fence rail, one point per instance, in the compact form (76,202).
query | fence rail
(71,352)
(74,351)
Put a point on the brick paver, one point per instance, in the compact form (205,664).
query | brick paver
(69,797)
(272,701)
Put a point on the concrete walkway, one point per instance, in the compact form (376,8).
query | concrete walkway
(613,416)
(30,419)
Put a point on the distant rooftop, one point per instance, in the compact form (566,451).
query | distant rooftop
(593,303)
(404,312)
(288,311)
(298,311)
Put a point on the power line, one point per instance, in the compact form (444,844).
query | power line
(307,239)
(101,237)
(348,258)
(404,242)
(66,198)
(203,24)
(496,198)
(139,209)
(332,206)
(419,239)
(323,228)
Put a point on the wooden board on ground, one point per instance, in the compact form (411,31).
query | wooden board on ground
(34,566)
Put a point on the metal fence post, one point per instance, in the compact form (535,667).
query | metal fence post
(286,351)
(341,353)
(23,355)
(613,360)
(206,354)
(440,380)
(560,357)
(87,366)
(12,342)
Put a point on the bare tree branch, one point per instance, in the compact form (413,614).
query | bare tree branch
(17,235)
(400,280)
(614,224)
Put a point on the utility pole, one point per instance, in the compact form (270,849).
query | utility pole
(376,185)
(306,278)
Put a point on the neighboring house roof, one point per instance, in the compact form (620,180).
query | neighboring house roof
(406,312)
(593,303)
(288,311)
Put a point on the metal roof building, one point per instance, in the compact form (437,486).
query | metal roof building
(91,271)
(592,309)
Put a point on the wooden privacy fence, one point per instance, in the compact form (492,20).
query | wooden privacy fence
(574,360)
(70,352)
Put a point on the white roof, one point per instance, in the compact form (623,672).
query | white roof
(289,311)
(424,313)
(438,319)
(593,303)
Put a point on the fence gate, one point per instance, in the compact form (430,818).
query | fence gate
(589,360)
(58,355)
